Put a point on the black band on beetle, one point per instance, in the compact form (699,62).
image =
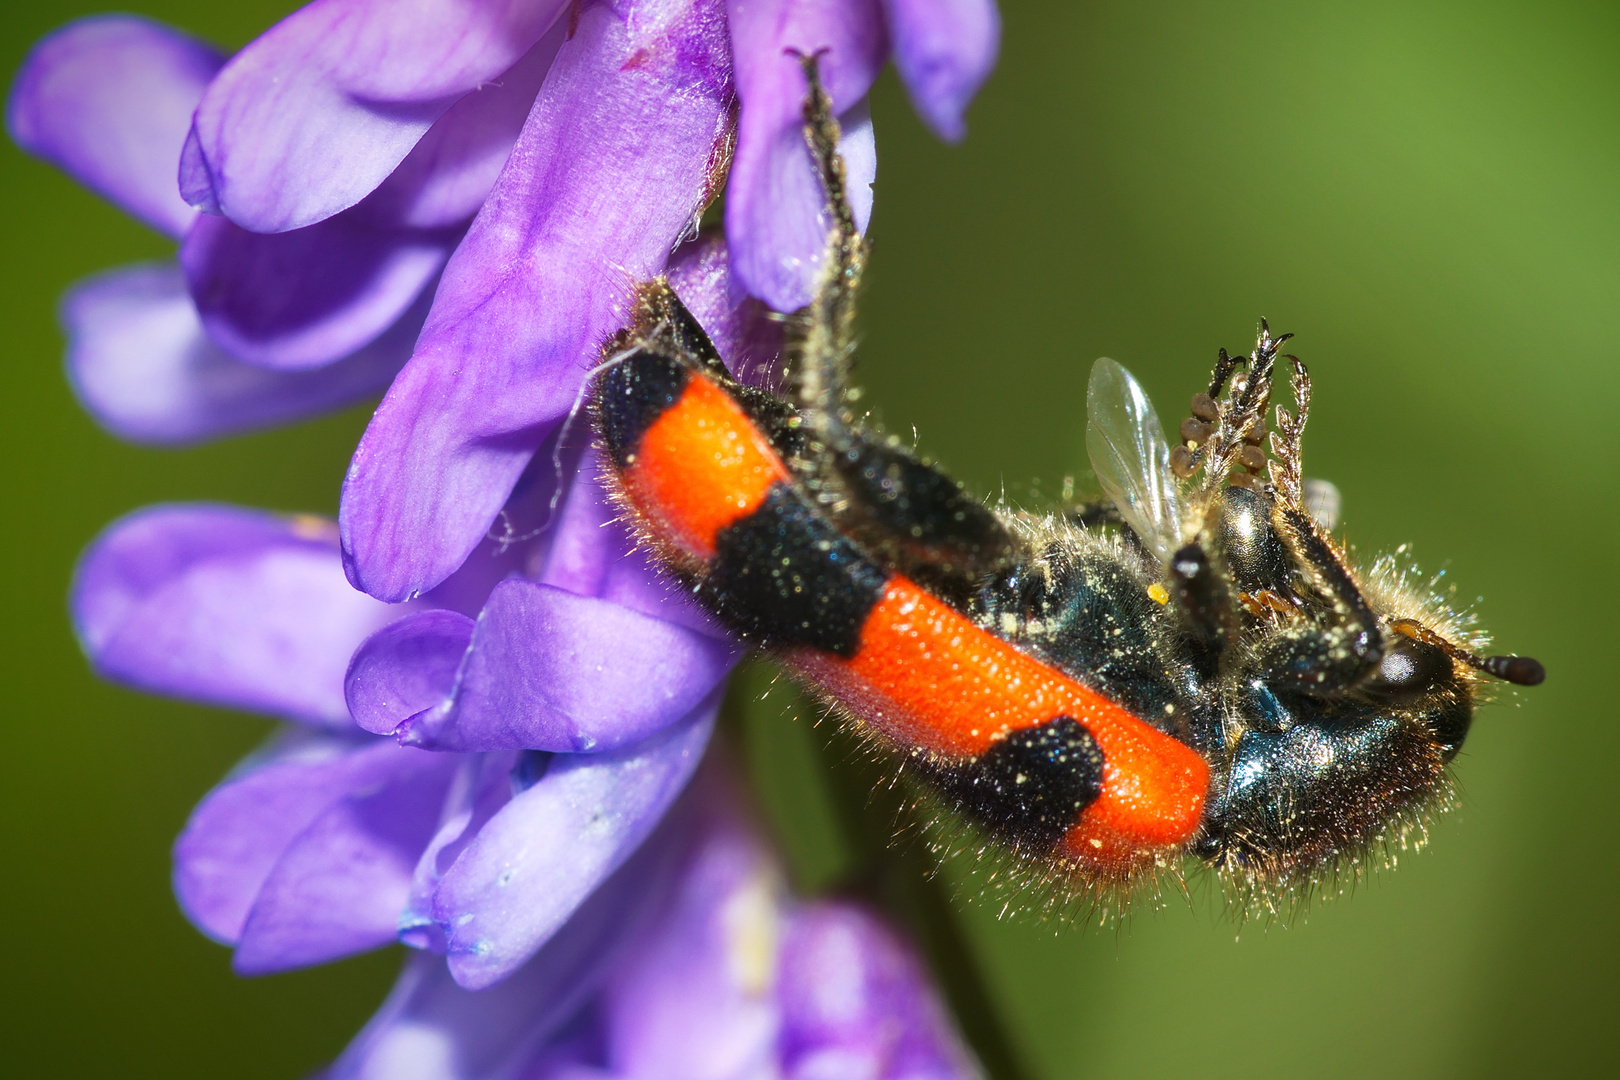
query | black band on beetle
(785,576)
(634,393)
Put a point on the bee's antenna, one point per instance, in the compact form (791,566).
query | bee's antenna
(1519,670)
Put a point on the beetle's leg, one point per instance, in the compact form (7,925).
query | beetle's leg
(1323,660)
(828,342)
(876,488)
(662,323)
(918,518)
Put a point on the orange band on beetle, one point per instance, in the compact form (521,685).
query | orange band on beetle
(925,675)
(702,465)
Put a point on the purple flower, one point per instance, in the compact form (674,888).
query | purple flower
(231,607)
(339,159)
(142,365)
(554,639)
(705,968)
(591,654)
(331,840)
(613,927)
(458,198)
(616,161)
(589,648)
(231,340)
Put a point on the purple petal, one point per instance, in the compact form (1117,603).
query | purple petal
(542,854)
(406,667)
(340,885)
(315,113)
(303,299)
(109,100)
(610,169)
(550,670)
(484,785)
(587,539)
(591,553)
(448,174)
(142,366)
(232,607)
(432,1028)
(602,652)
(856,1003)
(945,49)
(694,997)
(516,544)
(776,212)
(239,832)
(572,1058)
(776,219)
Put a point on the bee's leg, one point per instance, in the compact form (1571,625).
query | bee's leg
(876,488)
(1223,436)
(1320,661)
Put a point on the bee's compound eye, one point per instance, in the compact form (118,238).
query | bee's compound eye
(1409,670)
(1450,723)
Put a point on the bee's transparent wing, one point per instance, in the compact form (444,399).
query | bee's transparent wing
(1131,457)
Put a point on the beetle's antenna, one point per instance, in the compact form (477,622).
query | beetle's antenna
(1225,435)
(1519,670)
(1285,440)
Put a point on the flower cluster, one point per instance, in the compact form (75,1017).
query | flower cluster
(452,199)
(495,703)
(573,707)
(615,926)
(705,969)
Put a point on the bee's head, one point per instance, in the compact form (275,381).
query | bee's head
(1338,717)
(1327,712)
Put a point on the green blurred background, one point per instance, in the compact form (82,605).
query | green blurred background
(1427,194)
